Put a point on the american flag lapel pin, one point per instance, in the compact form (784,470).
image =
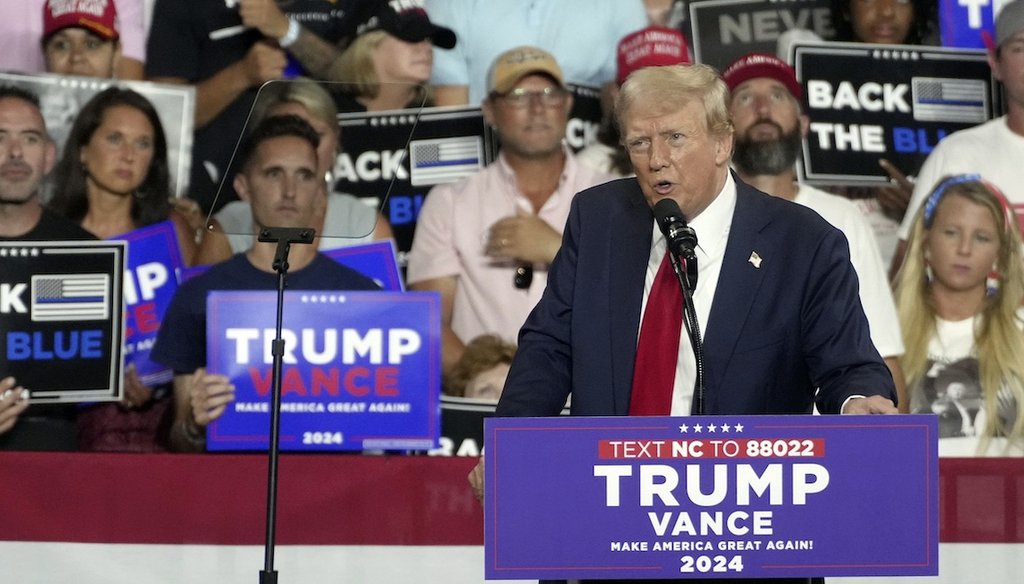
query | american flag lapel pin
(755,260)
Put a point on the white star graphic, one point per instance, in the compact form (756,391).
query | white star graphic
(725,428)
(712,427)
(739,427)
(697,428)
(684,428)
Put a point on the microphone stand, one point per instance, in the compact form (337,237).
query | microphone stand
(284,237)
(687,282)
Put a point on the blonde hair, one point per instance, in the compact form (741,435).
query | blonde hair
(357,71)
(671,87)
(999,342)
(356,64)
(302,91)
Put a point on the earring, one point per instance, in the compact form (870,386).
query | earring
(929,275)
(992,283)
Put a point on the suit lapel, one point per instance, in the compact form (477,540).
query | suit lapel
(629,249)
(738,283)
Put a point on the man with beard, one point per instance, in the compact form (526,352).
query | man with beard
(26,155)
(770,127)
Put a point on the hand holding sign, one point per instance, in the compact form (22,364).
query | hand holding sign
(136,393)
(895,199)
(209,395)
(12,403)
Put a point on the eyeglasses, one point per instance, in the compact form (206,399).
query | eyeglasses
(521,98)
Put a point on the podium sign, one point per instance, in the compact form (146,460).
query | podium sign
(711,497)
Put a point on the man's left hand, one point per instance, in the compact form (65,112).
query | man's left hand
(874,404)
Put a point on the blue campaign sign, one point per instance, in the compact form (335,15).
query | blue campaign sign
(362,370)
(375,260)
(154,265)
(961,24)
(711,497)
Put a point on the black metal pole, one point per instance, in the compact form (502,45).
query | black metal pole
(692,325)
(284,237)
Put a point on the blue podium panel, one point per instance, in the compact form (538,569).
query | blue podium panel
(711,497)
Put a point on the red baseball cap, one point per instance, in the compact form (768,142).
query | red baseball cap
(653,46)
(753,65)
(96,16)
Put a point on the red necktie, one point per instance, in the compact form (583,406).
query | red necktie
(657,351)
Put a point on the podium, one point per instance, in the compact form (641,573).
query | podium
(711,497)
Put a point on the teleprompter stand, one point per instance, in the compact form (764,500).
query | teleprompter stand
(284,237)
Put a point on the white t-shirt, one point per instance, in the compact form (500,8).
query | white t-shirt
(990,149)
(951,389)
(875,294)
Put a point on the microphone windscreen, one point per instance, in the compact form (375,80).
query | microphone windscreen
(667,210)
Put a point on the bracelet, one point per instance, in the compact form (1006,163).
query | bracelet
(292,35)
(189,432)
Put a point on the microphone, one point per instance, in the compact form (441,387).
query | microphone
(681,239)
(682,243)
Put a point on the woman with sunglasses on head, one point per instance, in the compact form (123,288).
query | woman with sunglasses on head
(959,298)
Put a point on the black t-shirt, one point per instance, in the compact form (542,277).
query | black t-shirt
(52,227)
(196,39)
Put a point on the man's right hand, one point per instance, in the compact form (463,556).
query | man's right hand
(264,62)
(11,406)
(209,395)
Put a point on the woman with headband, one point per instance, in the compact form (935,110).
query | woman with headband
(959,296)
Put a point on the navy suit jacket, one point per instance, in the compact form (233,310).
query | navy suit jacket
(774,334)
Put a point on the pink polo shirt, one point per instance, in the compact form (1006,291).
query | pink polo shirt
(451,232)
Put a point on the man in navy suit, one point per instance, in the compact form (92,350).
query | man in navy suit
(776,293)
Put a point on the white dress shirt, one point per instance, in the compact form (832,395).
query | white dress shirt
(712,229)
